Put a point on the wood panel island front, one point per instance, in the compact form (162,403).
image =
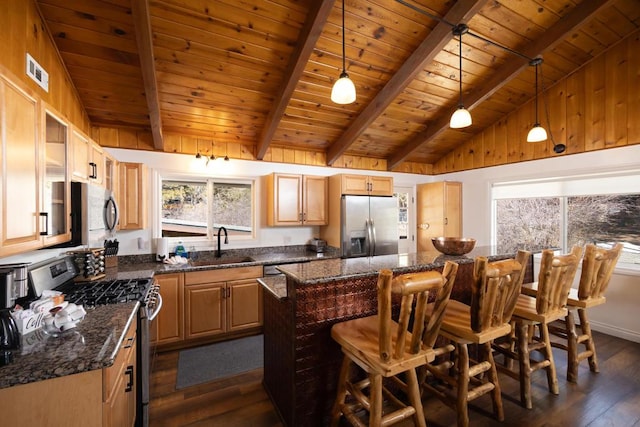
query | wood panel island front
(301,361)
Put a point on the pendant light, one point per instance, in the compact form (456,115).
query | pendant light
(344,91)
(537,132)
(461,118)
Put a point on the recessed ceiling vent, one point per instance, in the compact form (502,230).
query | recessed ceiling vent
(37,73)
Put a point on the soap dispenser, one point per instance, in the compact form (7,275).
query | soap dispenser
(180,251)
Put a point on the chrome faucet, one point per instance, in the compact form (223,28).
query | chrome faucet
(226,240)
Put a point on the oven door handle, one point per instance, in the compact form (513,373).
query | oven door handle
(157,309)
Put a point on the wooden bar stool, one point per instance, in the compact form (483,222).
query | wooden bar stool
(494,289)
(555,278)
(383,348)
(597,268)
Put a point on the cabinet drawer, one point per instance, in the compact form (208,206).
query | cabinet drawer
(222,275)
(111,374)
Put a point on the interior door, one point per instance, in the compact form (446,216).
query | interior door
(406,219)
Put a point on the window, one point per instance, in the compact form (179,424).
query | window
(197,207)
(523,216)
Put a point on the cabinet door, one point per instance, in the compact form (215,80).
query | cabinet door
(206,310)
(356,185)
(132,197)
(56,188)
(285,204)
(245,304)
(170,321)
(21,223)
(438,212)
(97,164)
(315,200)
(80,154)
(120,410)
(453,209)
(381,185)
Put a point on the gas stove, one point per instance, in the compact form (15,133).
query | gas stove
(91,294)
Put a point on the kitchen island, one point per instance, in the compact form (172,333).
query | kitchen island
(301,361)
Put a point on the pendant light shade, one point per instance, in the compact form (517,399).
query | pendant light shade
(461,118)
(344,91)
(537,132)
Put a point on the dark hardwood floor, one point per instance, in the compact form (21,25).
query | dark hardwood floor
(610,398)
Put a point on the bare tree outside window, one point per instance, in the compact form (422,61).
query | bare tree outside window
(528,222)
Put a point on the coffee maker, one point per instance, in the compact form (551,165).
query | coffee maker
(14,283)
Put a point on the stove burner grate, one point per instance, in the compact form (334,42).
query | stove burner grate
(91,294)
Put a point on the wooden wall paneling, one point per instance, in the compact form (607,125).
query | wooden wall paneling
(188,144)
(489,145)
(575,112)
(127,139)
(501,148)
(526,116)
(513,144)
(595,80)
(171,143)
(633,89)
(553,118)
(616,95)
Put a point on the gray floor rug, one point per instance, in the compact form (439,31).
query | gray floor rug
(207,363)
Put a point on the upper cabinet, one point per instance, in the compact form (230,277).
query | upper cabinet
(296,199)
(363,185)
(34,193)
(132,197)
(438,212)
(56,199)
(87,159)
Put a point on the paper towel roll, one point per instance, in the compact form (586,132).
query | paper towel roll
(162,248)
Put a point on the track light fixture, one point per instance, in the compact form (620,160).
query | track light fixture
(344,91)
(460,118)
(537,132)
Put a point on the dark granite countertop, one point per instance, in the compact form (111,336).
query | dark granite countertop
(331,269)
(277,285)
(260,257)
(93,344)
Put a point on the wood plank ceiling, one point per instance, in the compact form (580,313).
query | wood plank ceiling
(260,72)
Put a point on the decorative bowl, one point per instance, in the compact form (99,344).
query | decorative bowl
(453,245)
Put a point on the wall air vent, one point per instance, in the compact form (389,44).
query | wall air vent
(37,73)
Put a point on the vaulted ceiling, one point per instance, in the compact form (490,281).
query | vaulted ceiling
(260,72)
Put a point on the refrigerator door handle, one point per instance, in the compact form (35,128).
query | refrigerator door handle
(368,242)
(372,227)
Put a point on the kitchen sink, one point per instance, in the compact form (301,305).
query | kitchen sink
(220,261)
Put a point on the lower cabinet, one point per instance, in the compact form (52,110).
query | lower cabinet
(97,398)
(168,327)
(222,301)
(119,385)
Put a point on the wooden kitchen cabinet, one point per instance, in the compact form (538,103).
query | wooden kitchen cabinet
(222,301)
(296,199)
(132,196)
(168,327)
(87,159)
(438,212)
(363,185)
(119,384)
(34,194)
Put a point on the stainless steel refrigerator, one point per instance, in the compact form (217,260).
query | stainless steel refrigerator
(369,226)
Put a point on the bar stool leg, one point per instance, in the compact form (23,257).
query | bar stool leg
(591,347)
(463,385)
(496,397)
(342,391)
(572,348)
(525,364)
(375,415)
(552,378)
(413,391)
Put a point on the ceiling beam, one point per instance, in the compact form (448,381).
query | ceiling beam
(316,19)
(142,22)
(461,11)
(554,35)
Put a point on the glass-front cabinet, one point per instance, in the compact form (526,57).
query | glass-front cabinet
(56,187)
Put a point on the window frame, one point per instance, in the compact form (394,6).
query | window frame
(208,241)
(607,183)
